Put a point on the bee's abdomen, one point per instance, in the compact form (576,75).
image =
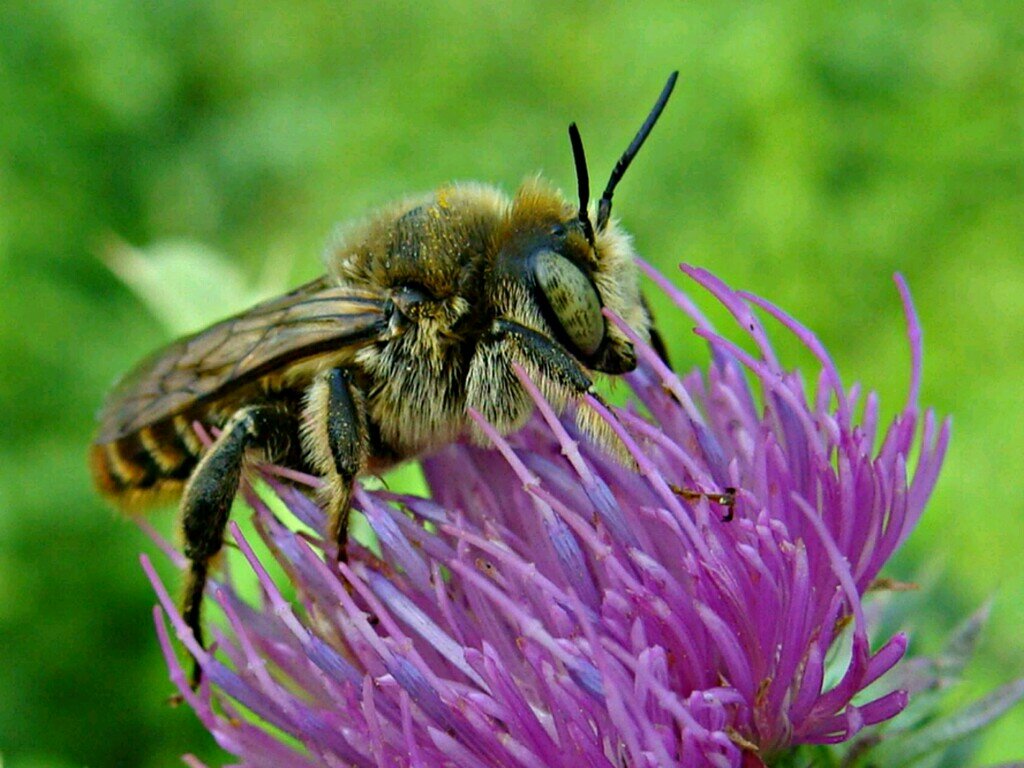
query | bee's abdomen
(153,462)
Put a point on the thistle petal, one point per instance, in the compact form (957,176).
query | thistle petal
(564,609)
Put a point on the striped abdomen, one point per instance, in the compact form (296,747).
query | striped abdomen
(148,465)
(146,447)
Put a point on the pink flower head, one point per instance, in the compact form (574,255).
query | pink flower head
(564,609)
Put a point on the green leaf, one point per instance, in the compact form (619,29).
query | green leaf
(944,732)
(962,644)
(808,756)
(928,679)
(185,285)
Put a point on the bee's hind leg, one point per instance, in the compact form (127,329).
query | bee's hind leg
(211,489)
(337,441)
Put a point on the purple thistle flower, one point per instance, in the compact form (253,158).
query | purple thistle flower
(563,609)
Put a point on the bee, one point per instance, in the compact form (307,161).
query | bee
(426,307)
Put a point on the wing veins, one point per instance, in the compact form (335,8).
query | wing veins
(192,371)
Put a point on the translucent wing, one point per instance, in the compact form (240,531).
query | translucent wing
(315,319)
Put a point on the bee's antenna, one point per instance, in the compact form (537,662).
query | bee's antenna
(604,208)
(582,180)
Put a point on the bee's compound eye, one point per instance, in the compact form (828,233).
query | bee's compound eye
(573,299)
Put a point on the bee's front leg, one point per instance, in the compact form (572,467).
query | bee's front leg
(657,342)
(211,489)
(336,438)
(492,388)
(561,377)
(546,355)
(551,360)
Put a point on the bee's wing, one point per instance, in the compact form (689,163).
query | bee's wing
(315,319)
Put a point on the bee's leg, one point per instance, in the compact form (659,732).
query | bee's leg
(337,441)
(548,356)
(552,360)
(561,378)
(211,490)
(657,342)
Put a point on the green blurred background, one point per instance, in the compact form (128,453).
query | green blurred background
(811,150)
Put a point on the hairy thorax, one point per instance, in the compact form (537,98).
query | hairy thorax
(430,255)
(415,391)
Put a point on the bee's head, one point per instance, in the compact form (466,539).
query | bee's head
(577,261)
